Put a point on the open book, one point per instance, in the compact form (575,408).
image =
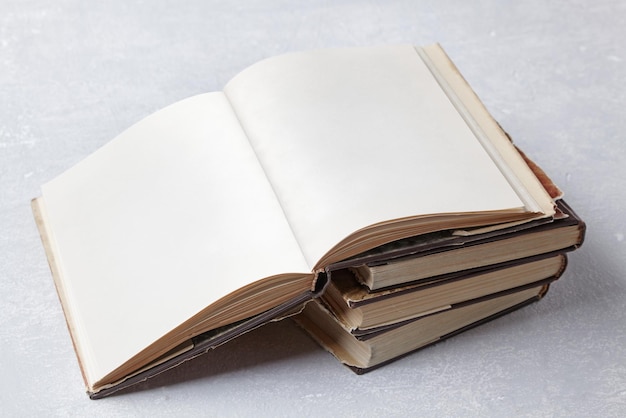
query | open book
(225,210)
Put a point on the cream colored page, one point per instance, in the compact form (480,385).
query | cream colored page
(353,137)
(170,216)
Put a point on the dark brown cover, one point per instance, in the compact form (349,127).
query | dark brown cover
(446,240)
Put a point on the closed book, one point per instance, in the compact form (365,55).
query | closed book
(363,311)
(368,352)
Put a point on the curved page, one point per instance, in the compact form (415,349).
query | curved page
(353,137)
(172,215)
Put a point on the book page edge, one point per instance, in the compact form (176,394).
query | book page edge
(487,130)
(38,209)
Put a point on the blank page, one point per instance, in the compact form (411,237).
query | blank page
(170,216)
(353,137)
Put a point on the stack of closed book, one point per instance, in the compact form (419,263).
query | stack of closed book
(414,292)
